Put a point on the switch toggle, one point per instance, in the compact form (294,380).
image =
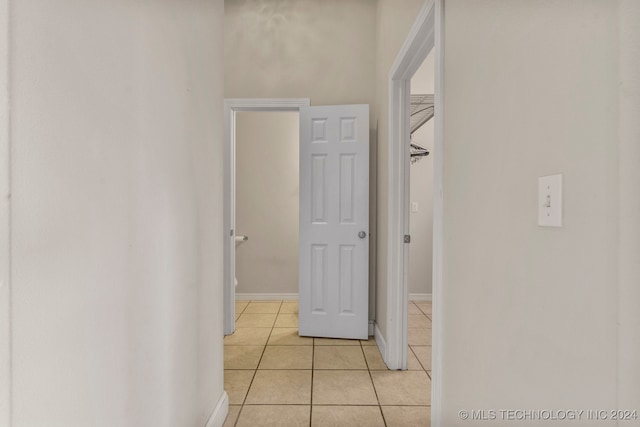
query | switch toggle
(550,201)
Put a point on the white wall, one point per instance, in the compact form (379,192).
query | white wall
(529,313)
(421,188)
(116,185)
(421,222)
(5,297)
(322,50)
(267,201)
(629,214)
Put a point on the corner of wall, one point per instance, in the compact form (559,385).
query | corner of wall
(380,341)
(628,378)
(5,265)
(219,414)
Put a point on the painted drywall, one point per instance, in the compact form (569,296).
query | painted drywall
(321,50)
(267,201)
(421,188)
(116,193)
(5,297)
(421,222)
(629,214)
(529,313)
(394,19)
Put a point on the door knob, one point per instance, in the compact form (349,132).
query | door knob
(362,234)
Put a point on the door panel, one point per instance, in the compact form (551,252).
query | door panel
(334,221)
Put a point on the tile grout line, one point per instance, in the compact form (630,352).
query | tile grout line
(251,382)
(411,347)
(258,365)
(254,375)
(416,356)
(372,383)
(430,346)
(312,355)
(342,405)
(313,371)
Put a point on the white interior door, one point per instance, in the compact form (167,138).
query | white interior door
(334,221)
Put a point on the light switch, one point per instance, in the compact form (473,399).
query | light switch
(550,201)
(414,207)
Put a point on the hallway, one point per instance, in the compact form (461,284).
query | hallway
(276,378)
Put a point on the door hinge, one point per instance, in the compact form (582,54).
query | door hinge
(407,238)
(231,233)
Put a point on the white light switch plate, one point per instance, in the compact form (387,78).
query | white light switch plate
(550,201)
(414,207)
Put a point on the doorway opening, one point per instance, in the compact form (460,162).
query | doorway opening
(425,36)
(333,213)
(232,108)
(267,202)
(420,270)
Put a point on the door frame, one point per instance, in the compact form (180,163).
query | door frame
(231,107)
(427,33)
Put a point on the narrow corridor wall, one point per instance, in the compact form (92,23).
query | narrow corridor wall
(629,214)
(530,90)
(116,193)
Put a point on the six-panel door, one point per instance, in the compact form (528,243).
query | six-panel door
(334,221)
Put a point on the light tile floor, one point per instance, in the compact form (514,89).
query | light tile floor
(276,378)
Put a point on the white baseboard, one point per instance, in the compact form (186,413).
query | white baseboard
(266,297)
(220,412)
(420,297)
(382,344)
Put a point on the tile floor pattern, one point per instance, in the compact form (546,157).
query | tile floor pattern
(276,378)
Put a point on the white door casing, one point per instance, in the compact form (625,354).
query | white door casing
(426,33)
(231,106)
(334,221)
